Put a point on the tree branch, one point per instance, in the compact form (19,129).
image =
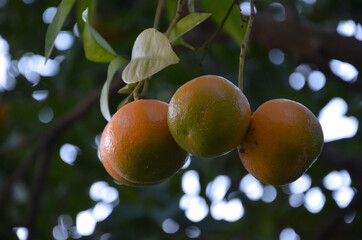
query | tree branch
(42,151)
(306,42)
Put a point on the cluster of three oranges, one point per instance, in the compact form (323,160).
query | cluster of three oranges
(147,141)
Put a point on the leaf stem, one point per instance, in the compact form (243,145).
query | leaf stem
(176,18)
(145,86)
(135,92)
(243,44)
(158,13)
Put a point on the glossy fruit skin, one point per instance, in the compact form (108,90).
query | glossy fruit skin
(283,140)
(136,146)
(208,116)
(118,177)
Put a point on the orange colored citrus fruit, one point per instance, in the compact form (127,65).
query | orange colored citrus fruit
(208,116)
(283,140)
(115,175)
(137,147)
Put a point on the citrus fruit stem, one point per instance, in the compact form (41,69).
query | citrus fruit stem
(175,18)
(243,44)
(158,13)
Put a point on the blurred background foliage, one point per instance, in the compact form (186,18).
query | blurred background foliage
(53,185)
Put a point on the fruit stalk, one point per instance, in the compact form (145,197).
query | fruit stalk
(243,44)
(158,13)
(176,18)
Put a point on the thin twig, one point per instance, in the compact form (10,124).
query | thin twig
(243,44)
(158,13)
(218,30)
(241,15)
(176,18)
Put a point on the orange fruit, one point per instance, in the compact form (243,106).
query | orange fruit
(208,116)
(118,177)
(283,140)
(136,146)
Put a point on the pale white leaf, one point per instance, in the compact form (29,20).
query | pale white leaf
(151,53)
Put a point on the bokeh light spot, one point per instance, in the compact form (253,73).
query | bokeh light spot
(251,187)
(333,180)
(96,189)
(170,226)
(85,223)
(4,65)
(358,35)
(46,115)
(60,233)
(40,95)
(349,217)
(314,200)
(304,69)
(346,28)
(106,236)
(217,188)
(193,232)
(296,200)
(276,56)
(21,232)
(64,40)
(109,194)
(269,194)
(197,209)
(3,3)
(101,211)
(316,80)
(190,182)
(343,196)
(288,234)
(245,8)
(334,123)
(278,11)
(187,163)
(234,210)
(68,153)
(345,71)
(49,14)
(301,185)
(296,81)
(65,220)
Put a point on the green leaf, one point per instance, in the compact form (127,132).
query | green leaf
(180,41)
(113,67)
(151,53)
(54,27)
(127,89)
(82,5)
(232,25)
(96,48)
(186,24)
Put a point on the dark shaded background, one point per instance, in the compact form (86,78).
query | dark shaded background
(45,195)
